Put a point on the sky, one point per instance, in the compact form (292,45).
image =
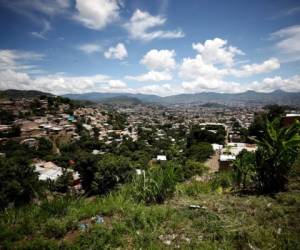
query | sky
(161,47)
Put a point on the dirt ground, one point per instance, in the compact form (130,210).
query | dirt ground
(213,163)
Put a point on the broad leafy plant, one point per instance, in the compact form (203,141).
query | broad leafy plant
(277,151)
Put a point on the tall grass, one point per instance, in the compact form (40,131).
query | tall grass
(155,185)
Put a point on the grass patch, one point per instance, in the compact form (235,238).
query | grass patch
(222,221)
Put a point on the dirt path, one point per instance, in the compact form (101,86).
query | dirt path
(213,163)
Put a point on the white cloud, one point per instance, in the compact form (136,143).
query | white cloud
(90,48)
(269,84)
(15,71)
(288,42)
(117,84)
(154,76)
(215,61)
(16,59)
(159,59)
(254,69)
(201,84)
(217,51)
(26,7)
(59,83)
(118,52)
(162,90)
(97,14)
(192,68)
(142,26)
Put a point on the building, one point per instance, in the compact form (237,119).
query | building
(225,161)
(161,158)
(290,119)
(50,171)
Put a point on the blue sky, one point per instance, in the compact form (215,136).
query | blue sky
(159,47)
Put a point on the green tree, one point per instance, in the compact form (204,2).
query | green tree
(62,183)
(19,182)
(200,152)
(6,117)
(101,176)
(275,111)
(244,169)
(45,147)
(276,153)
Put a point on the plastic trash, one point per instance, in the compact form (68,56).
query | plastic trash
(99,219)
(194,207)
(82,226)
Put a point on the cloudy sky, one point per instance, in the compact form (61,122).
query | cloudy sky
(159,47)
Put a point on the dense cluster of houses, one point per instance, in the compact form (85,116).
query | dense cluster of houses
(149,118)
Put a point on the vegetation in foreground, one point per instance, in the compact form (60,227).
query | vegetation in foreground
(253,206)
(201,215)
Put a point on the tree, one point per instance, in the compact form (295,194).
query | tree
(101,176)
(275,111)
(276,153)
(62,183)
(200,152)
(45,147)
(244,169)
(19,182)
(198,134)
(6,117)
(258,126)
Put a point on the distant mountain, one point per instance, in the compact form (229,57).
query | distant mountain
(204,98)
(213,105)
(245,98)
(17,94)
(99,97)
(122,100)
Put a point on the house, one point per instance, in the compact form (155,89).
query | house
(30,142)
(161,158)
(225,161)
(289,119)
(231,151)
(217,147)
(30,129)
(50,171)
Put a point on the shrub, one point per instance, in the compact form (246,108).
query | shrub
(57,207)
(222,179)
(195,188)
(192,168)
(54,228)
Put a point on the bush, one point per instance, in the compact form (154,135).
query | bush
(57,207)
(195,188)
(192,168)
(18,182)
(54,228)
(156,185)
(222,180)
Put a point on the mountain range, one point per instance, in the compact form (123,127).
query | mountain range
(204,98)
(245,98)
